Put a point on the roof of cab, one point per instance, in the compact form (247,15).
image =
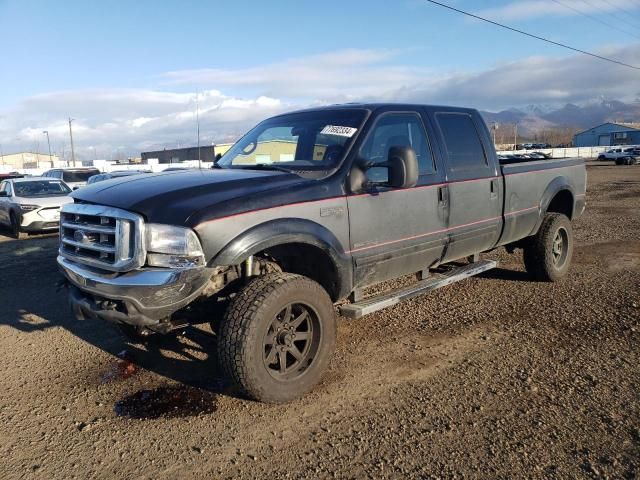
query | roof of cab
(375,106)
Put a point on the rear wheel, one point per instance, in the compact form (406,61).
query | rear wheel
(547,255)
(15,227)
(277,337)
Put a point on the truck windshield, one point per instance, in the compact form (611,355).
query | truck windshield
(40,188)
(315,140)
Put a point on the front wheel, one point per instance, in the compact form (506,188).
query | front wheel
(547,255)
(277,337)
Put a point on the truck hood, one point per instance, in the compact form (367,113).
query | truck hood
(173,196)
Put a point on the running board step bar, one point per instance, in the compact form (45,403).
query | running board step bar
(373,304)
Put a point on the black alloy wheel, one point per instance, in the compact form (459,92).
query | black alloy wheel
(291,341)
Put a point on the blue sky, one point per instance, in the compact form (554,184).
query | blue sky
(120,66)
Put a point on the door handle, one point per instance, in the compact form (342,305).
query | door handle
(443,195)
(494,188)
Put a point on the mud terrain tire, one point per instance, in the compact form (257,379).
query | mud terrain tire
(547,255)
(277,337)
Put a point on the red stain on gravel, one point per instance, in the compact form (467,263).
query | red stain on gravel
(166,402)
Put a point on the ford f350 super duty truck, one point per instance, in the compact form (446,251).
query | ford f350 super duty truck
(303,212)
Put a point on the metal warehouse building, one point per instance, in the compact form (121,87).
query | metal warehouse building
(608,134)
(176,155)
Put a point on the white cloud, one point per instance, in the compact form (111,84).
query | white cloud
(557,80)
(108,120)
(337,76)
(529,9)
(135,120)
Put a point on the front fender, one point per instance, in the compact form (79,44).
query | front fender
(286,231)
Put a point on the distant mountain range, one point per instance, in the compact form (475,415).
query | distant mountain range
(534,118)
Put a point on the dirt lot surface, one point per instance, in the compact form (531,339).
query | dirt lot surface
(494,377)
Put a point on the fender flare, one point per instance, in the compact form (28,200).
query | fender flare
(292,230)
(556,186)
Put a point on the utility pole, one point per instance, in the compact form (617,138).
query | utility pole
(1,154)
(73,153)
(198,123)
(515,137)
(495,127)
(46,132)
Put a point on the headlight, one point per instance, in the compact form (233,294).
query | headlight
(29,208)
(172,247)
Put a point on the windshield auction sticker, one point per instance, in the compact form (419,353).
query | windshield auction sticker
(340,131)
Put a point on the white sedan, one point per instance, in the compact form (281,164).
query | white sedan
(32,204)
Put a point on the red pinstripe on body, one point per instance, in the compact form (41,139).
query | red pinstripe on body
(413,237)
(381,193)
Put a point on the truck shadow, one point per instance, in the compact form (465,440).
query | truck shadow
(500,273)
(32,301)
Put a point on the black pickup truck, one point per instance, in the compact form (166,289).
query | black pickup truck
(303,212)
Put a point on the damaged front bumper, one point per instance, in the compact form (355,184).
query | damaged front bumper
(141,298)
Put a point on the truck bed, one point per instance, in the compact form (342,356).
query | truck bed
(529,188)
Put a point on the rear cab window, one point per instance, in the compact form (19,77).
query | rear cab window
(466,156)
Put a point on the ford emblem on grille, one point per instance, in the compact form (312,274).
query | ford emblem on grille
(81,237)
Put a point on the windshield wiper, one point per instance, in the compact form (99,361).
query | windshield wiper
(266,166)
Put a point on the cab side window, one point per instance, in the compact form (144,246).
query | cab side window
(396,130)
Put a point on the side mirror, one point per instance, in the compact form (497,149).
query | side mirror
(403,167)
(4,193)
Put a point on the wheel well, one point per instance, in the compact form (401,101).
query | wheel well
(562,202)
(307,260)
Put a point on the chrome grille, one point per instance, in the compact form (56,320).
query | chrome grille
(102,237)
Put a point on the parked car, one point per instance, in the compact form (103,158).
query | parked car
(73,177)
(535,146)
(266,244)
(539,155)
(32,204)
(631,157)
(5,176)
(619,153)
(116,174)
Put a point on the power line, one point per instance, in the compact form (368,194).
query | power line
(611,60)
(614,14)
(595,19)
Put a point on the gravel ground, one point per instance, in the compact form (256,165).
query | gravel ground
(493,377)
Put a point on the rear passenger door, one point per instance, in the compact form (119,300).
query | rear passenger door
(474,187)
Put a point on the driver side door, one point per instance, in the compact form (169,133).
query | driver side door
(394,231)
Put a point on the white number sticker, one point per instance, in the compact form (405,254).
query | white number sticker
(340,131)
